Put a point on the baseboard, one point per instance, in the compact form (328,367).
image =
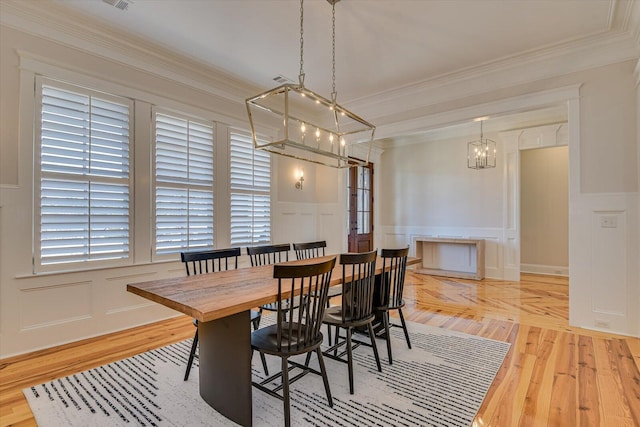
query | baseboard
(549,270)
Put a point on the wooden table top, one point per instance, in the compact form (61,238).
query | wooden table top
(213,296)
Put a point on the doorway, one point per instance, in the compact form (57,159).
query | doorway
(544,211)
(360,208)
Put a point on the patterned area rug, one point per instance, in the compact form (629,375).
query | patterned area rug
(441,381)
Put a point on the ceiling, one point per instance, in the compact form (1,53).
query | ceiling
(382,46)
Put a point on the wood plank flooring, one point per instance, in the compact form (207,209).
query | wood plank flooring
(554,374)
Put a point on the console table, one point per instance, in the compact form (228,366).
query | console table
(427,249)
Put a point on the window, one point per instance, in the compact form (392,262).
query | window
(250,172)
(183,183)
(83,186)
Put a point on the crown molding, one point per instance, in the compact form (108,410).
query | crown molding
(495,108)
(513,71)
(65,26)
(620,42)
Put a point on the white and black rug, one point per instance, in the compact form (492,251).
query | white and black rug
(442,381)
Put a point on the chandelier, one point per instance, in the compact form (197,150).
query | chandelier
(310,127)
(481,154)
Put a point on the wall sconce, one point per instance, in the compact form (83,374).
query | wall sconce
(300,179)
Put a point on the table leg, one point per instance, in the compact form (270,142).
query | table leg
(225,366)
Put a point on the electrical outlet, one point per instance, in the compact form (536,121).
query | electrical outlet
(600,323)
(608,221)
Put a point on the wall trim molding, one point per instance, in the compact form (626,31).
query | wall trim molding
(547,270)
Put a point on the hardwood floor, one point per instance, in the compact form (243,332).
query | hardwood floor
(554,374)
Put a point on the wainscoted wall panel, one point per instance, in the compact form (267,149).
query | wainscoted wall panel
(450,256)
(331,223)
(398,236)
(42,307)
(492,258)
(115,297)
(306,222)
(54,309)
(605,277)
(294,222)
(609,230)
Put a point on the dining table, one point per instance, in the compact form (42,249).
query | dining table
(221,302)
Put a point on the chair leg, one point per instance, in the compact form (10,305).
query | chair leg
(350,360)
(285,392)
(191,355)
(256,323)
(385,319)
(375,347)
(264,364)
(325,378)
(404,327)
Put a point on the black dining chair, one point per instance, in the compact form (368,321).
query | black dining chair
(301,333)
(356,309)
(268,254)
(314,250)
(391,289)
(210,261)
(310,249)
(271,254)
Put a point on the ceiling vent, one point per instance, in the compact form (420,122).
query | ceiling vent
(280,79)
(119,4)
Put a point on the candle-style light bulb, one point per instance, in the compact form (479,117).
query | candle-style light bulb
(303,128)
(317,133)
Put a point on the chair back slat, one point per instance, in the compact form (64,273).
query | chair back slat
(268,254)
(202,262)
(357,293)
(310,250)
(392,285)
(311,283)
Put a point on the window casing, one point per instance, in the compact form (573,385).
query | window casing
(183,183)
(83,183)
(250,185)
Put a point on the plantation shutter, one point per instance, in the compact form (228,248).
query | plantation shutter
(183,184)
(250,172)
(84,185)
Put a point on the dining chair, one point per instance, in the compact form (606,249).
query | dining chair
(301,334)
(356,309)
(270,254)
(210,261)
(310,249)
(315,250)
(391,289)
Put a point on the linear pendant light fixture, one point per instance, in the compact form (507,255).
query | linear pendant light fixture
(481,154)
(309,126)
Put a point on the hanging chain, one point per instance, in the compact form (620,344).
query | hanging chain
(334,94)
(301,75)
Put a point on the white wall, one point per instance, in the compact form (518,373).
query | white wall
(42,310)
(38,311)
(603,179)
(544,210)
(428,190)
